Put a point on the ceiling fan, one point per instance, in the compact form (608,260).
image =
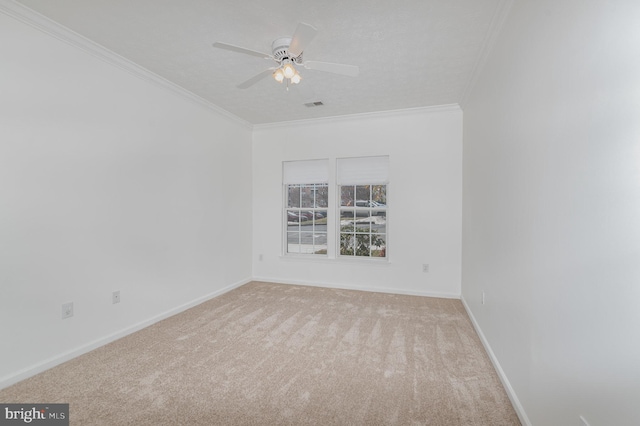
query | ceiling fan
(287,54)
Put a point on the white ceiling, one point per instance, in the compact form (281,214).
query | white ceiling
(411,53)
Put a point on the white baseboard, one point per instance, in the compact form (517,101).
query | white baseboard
(522,415)
(360,288)
(66,356)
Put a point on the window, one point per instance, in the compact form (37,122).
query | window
(363,220)
(363,206)
(306,206)
(307,218)
(359,227)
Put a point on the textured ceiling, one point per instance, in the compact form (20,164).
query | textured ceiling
(411,53)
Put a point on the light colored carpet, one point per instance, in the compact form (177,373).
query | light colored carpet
(271,354)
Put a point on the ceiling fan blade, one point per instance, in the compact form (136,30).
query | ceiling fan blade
(342,69)
(256,78)
(239,49)
(301,38)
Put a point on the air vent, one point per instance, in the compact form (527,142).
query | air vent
(313,104)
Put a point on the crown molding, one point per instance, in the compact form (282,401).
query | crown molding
(361,116)
(40,22)
(497,22)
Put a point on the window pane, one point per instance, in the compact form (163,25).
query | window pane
(307,217)
(321,249)
(379,194)
(363,244)
(293,196)
(347,229)
(379,246)
(293,227)
(363,193)
(347,215)
(293,216)
(347,244)
(293,237)
(306,242)
(320,239)
(346,195)
(363,227)
(308,194)
(379,225)
(322,195)
(363,211)
(320,224)
(293,242)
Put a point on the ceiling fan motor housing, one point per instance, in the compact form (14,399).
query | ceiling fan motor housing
(280,50)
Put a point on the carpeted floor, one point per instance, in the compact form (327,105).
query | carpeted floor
(271,354)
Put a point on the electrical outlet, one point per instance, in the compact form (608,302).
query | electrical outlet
(425,267)
(115,297)
(67,310)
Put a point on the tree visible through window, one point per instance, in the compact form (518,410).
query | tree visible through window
(363,220)
(307,218)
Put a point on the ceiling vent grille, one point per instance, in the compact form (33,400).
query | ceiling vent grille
(313,104)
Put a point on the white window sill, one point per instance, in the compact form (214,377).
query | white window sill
(369,261)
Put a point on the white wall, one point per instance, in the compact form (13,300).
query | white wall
(551,209)
(425,194)
(107,182)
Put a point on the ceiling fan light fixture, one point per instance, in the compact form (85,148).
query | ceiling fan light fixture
(288,70)
(287,52)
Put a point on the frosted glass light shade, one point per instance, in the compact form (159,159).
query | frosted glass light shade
(288,70)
